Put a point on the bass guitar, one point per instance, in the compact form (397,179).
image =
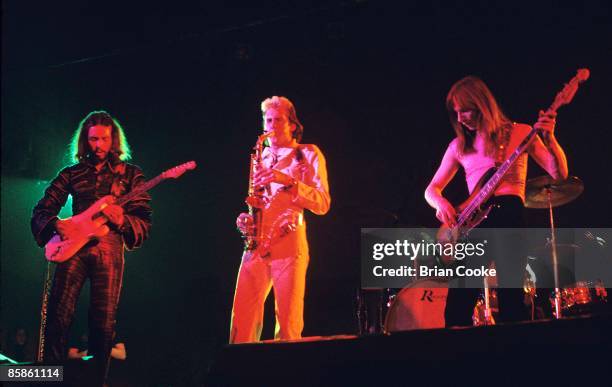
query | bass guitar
(475,208)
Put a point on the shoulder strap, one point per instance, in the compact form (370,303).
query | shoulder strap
(299,155)
(502,144)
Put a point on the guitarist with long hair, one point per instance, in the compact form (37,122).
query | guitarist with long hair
(484,139)
(99,150)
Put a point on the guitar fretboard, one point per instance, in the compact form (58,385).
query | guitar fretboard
(140,189)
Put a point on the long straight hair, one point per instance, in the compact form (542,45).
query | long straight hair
(472,93)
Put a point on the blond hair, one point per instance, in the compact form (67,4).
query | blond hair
(284,103)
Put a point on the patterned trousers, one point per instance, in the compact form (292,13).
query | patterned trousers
(101,263)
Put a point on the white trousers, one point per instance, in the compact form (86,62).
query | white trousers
(255,279)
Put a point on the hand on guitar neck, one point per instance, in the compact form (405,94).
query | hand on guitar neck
(546,125)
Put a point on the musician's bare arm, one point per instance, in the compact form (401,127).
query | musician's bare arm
(445,212)
(546,151)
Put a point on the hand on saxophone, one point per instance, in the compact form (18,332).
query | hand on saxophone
(266,176)
(245,223)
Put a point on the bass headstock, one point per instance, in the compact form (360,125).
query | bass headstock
(566,95)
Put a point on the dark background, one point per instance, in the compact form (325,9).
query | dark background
(185,79)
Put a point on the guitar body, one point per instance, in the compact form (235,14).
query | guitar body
(91,223)
(480,212)
(476,216)
(447,234)
(84,227)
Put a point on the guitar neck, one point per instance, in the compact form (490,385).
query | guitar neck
(140,189)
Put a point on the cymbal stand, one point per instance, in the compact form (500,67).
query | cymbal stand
(487,300)
(554,256)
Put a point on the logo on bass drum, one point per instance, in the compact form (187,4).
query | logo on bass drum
(428,295)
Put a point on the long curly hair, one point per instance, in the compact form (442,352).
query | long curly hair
(472,93)
(79,147)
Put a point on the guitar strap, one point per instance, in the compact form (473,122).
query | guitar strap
(502,144)
(40,356)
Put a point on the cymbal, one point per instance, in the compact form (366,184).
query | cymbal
(561,191)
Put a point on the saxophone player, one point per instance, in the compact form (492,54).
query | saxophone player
(289,178)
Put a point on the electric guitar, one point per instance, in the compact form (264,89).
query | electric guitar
(474,209)
(91,223)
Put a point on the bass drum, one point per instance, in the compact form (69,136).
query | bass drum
(420,305)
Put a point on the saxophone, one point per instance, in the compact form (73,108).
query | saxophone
(255,199)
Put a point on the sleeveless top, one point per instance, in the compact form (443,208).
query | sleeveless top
(477,163)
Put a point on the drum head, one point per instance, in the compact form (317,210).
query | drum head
(418,306)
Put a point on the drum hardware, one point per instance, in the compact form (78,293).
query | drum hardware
(601,242)
(546,192)
(390,297)
(561,191)
(370,308)
(486,306)
(583,297)
(529,287)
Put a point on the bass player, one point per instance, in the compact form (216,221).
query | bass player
(485,137)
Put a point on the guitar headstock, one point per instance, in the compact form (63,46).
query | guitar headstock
(566,95)
(177,171)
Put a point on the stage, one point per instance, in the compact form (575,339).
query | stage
(570,350)
(369,82)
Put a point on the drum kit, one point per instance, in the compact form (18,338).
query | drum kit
(546,193)
(421,304)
